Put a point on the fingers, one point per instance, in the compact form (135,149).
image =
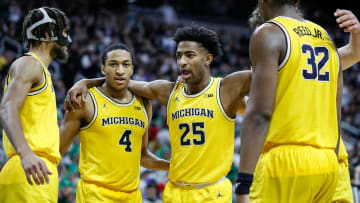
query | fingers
(354,28)
(39,175)
(346,19)
(68,106)
(83,95)
(45,172)
(74,102)
(34,176)
(27,173)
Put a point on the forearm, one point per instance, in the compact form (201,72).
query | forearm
(142,89)
(93,82)
(10,120)
(150,161)
(253,135)
(350,53)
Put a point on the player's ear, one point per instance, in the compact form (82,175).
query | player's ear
(103,69)
(208,59)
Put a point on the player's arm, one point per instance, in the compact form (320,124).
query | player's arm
(266,39)
(80,88)
(350,53)
(25,73)
(158,89)
(148,159)
(233,89)
(155,90)
(71,124)
(338,105)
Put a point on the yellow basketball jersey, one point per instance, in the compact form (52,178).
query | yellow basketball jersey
(305,107)
(38,118)
(110,145)
(201,135)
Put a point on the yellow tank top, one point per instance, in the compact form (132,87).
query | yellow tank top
(110,145)
(201,135)
(38,118)
(305,107)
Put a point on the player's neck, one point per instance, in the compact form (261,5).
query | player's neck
(288,11)
(43,53)
(122,96)
(195,88)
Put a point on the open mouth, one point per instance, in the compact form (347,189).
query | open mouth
(120,81)
(185,74)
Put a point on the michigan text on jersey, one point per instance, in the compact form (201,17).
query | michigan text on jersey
(192,112)
(122,120)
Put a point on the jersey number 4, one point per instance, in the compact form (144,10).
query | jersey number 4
(125,140)
(315,67)
(197,129)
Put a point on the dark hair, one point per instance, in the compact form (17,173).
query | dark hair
(255,19)
(114,47)
(36,15)
(207,38)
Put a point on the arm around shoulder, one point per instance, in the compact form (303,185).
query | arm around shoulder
(72,123)
(157,89)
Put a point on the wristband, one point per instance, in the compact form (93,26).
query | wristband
(243,183)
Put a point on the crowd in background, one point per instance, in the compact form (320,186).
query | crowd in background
(148,30)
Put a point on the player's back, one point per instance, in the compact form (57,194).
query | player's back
(305,107)
(38,117)
(110,148)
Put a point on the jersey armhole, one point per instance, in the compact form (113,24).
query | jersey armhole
(38,89)
(169,100)
(145,111)
(218,99)
(288,44)
(94,114)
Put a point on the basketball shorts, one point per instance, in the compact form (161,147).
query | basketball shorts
(343,192)
(295,173)
(220,192)
(15,188)
(89,193)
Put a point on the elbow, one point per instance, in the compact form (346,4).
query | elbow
(259,119)
(262,118)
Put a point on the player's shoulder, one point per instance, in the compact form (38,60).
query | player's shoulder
(26,65)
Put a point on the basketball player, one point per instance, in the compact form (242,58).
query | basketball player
(298,162)
(349,55)
(28,112)
(200,116)
(112,127)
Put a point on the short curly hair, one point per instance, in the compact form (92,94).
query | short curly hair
(207,38)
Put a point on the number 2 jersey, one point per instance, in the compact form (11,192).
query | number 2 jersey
(201,135)
(110,145)
(305,107)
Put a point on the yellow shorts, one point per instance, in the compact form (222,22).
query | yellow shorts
(15,188)
(219,192)
(343,192)
(89,193)
(291,173)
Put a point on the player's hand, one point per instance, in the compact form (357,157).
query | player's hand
(347,21)
(72,101)
(180,80)
(35,167)
(242,199)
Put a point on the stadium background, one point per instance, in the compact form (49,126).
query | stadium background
(147,28)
